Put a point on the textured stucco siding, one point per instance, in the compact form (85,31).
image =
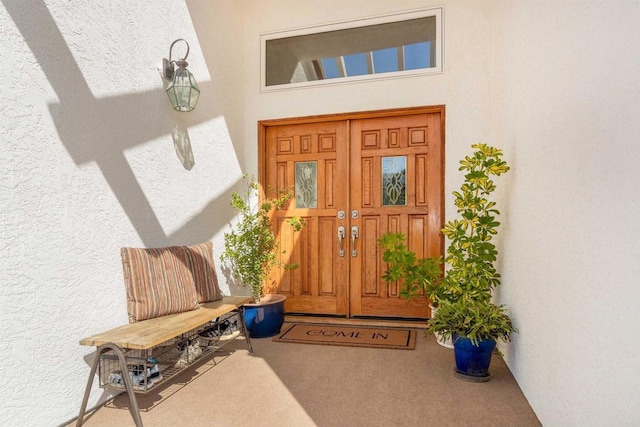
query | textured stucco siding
(90,163)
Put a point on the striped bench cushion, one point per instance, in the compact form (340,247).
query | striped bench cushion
(200,259)
(163,281)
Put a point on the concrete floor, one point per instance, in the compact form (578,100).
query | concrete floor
(282,384)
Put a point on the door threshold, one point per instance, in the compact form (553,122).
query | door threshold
(387,323)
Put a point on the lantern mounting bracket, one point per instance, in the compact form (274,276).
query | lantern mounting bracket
(167,64)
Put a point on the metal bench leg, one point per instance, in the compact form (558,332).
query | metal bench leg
(244,329)
(133,408)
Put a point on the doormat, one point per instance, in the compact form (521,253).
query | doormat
(353,336)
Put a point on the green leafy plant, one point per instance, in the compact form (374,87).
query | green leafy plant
(474,319)
(418,276)
(251,248)
(463,294)
(470,254)
(472,275)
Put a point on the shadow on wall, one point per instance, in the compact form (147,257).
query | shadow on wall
(100,130)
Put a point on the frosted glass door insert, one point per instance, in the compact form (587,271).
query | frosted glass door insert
(394,181)
(306,185)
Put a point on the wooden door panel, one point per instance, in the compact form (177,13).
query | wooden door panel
(317,286)
(408,201)
(369,252)
(374,297)
(315,289)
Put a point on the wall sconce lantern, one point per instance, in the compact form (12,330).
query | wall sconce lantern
(182,89)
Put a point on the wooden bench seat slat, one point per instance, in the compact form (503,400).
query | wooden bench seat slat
(149,333)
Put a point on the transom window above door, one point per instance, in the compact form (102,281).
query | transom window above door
(400,45)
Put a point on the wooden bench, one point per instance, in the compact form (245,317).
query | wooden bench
(133,343)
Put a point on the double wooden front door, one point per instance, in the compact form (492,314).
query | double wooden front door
(354,177)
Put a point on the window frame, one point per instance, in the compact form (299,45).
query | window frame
(436,12)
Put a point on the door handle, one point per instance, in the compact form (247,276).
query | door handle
(354,237)
(341,236)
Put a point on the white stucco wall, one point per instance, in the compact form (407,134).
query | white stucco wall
(89,165)
(566,109)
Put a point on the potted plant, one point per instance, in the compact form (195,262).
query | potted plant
(251,251)
(474,326)
(469,316)
(465,313)
(417,276)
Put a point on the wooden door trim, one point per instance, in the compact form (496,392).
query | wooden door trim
(369,114)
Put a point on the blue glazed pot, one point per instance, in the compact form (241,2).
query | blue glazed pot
(473,360)
(265,318)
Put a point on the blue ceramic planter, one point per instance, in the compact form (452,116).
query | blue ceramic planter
(266,318)
(471,360)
